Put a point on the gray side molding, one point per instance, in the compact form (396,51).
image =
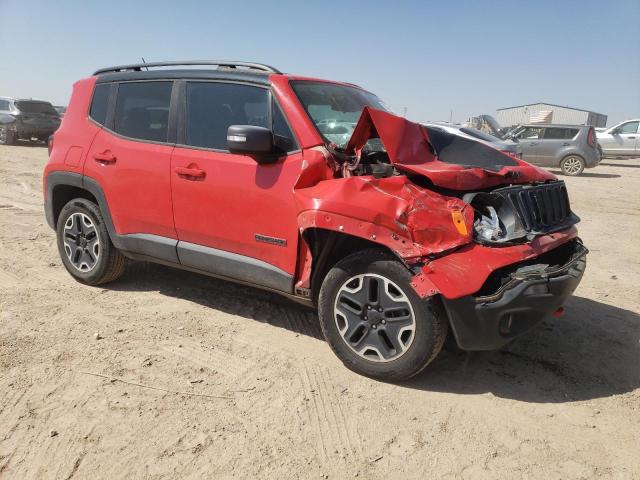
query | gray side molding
(234,266)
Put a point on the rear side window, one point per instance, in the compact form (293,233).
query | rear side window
(560,133)
(4,105)
(142,110)
(99,103)
(213,107)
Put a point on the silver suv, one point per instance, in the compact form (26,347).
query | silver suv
(621,140)
(570,147)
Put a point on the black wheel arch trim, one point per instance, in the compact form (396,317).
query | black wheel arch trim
(170,251)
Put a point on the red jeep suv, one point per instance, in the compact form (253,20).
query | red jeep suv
(312,189)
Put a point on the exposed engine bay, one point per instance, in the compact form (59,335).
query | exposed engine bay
(503,215)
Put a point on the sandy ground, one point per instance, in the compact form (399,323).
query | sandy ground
(562,402)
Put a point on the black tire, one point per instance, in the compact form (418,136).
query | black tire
(108,262)
(572,165)
(429,330)
(601,153)
(7,137)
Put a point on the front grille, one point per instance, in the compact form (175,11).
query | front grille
(541,208)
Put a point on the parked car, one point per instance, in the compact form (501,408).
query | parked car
(26,119)
(60,109)
(236,172)
(506,146)
(621,140)
(572,148)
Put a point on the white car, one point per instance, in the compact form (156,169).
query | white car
(620,140)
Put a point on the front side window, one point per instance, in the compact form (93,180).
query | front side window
(213,107)
(530,133)
(142,110)
(629,127)
(99,103)
(334,109)
(560,133)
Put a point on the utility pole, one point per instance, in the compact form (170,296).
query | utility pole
(404,112)
(451,116)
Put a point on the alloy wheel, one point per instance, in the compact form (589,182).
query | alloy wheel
(374,317)
(572,165)
(81,242)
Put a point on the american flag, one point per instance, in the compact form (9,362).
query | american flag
(543,116)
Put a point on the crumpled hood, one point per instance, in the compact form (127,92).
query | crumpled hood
(407,144)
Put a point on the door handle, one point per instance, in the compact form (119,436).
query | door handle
(533,144)
(190,173)
(566,144)
(104,157)
(631,138)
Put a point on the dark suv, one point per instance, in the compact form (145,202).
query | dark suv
(26,119)
(311,189)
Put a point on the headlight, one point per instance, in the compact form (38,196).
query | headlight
(495,221)
(488,228)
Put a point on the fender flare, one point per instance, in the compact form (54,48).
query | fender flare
(83,182)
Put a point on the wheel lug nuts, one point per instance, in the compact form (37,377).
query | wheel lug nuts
(375,326)
(384,322)
(380,309)
(365,317)
(368,307)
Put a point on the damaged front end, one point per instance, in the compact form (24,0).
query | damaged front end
(492,235)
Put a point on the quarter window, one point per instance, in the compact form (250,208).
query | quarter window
(99,103)
(142,110)
(213,107)
(560,133)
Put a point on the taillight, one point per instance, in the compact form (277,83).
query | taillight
(50,144)
(591,137)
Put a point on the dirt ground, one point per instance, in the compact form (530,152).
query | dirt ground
(562,402)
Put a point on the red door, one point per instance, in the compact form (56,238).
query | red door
(132,163)
(237,205)
(134,177)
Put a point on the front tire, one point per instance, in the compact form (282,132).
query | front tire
(572,165)
(84,244)
(374,320)
(7,137)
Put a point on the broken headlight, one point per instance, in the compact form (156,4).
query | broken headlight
(495,219)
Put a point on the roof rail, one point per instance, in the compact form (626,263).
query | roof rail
(136,67)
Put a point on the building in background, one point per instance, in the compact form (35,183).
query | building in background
(548,113)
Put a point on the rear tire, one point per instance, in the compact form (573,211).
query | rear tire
(572,165)
(374,320)
(84,244)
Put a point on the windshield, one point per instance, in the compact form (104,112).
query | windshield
(334,109)
(35,107)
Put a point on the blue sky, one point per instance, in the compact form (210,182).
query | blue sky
(432,57)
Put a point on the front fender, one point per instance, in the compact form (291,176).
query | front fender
(399,244)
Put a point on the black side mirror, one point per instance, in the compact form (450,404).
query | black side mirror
(251,140)
(615,131)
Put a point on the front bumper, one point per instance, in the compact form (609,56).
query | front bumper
(516,298)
